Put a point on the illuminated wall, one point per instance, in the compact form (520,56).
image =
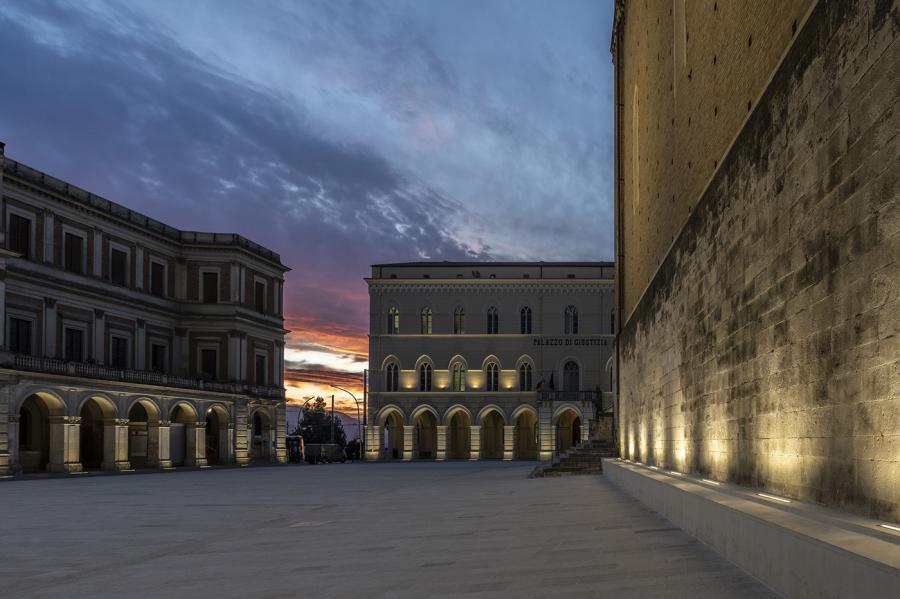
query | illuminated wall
(765,348)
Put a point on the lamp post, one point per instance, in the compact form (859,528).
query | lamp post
(358,422)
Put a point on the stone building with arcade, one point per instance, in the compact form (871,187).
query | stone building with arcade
(488,360)
(126,343)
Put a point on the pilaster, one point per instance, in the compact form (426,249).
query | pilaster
(65,443)
(49,327)
(165,459)
(99,334)
(48,236)
(241,434)
(441,453)
(474,442)
(115,445)
(509,433)
(97,266)
(373,442)
(195,450)
(280,432)
(140,345)
(408,440)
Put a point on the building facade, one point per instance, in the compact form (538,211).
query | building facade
(757,244)
(125,343)
(487,360)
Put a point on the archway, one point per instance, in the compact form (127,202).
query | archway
(92,447)
(492,436)
(568,430)
(392,436)
(459,445)
(181,442)
(143,435)
(260,436)
(526,446)
(217,436)
(426,435)
(34,432)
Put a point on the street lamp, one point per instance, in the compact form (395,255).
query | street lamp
(358,422)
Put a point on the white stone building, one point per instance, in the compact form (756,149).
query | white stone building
(487,360)
(125,343)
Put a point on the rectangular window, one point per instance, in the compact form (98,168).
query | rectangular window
(118,267)
(74,345)
(118,352)
(19,336)
(210,287)
(260,369)
(259,296)
(158,358)
(157,279)
(20,235)
(209,363)
(74,246)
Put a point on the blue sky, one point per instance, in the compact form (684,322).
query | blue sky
(337,133)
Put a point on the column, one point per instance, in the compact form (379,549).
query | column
(115,445)
(99,334)
(280,431)
(48,237)
(65,444)
(408,432)
(165,459)
(241,448)
(441,443)
(140,345)
(546,432)
(49,327)
(373,442)
(508,440)
(195,447)
(153,445)
(474,442)
(97,267)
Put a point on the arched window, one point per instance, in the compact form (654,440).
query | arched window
(459,376)
(392,377)
(492,373)
(425,321)
(571,324)
(570,376)
(525,321)
(459,321)
(425,377)
(525,377)
(493,321)
(393,323)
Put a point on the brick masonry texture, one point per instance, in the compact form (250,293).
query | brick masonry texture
(766,349)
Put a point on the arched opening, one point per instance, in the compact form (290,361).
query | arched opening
(458,441)
(143,435)
(260,436)
(568,430)
(526,445)
(180,445)
(92,443)
(492,436)
(216,436)
(34,432)
(426,436)
(392,437)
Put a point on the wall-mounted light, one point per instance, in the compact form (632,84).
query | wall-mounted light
(773,498)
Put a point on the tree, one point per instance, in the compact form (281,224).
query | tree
(315,427)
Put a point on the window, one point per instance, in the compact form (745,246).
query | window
(570,376)
(118,267)
(19,336)
(259,369)
(493,377)
(392,377)
(118,352)
(459,321)
(571,320)
(257,425)
(74,345)
(425,321)
(208,363)
(612,324)
(210,287)
(425,377)
(393,324)
(74,251)
(525,377)
(493,321)
(20,235)
(459,376)
(259,296)
(157,279)
(525,321)
(158,362)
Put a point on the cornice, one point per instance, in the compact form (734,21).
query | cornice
(379,286)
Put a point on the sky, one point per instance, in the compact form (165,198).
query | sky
(339,134)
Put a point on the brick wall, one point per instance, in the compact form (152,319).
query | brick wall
(766,350)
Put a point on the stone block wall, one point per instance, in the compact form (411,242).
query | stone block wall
(766,350)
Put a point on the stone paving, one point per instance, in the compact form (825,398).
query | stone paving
(410,530)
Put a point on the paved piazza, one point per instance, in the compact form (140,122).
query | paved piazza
(412,530)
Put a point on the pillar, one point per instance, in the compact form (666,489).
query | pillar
(546,434)
(474,442)
(195,447)
(153,445)
(279,430)
(408,432)
(373,442)
(49,327)
(509,433)
(164,444)
(586,419)
(115,445)
(226,445)
(65,444)
(9,448)
(441,453)
(99,345)
(241,435)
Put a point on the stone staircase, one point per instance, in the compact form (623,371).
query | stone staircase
(584,458)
